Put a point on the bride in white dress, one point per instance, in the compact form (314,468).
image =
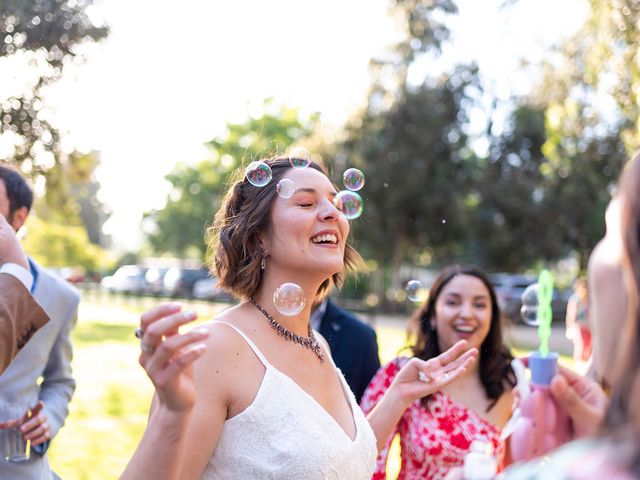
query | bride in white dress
(264,400)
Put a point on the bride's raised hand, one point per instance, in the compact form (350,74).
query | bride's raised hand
(419,378)
(167,356)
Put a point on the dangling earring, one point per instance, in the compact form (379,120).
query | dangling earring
(263,261)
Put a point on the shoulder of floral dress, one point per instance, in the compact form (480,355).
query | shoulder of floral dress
(396,364)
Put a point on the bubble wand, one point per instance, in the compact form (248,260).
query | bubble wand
(545,294)
(543,426)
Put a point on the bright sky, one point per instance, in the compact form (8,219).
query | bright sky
(171,74)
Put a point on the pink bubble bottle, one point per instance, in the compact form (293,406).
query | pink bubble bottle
(542,425)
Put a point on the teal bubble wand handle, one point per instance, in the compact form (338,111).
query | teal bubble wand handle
(545,294)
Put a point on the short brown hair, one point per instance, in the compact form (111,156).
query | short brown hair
(244,214)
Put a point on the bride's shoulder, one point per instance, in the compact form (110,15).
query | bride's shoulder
(226,324)
(231,334)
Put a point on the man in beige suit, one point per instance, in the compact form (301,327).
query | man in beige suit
(20,314)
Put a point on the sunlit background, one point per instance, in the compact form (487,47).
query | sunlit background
(488,131)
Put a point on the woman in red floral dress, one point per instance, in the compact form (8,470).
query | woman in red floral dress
(436,432)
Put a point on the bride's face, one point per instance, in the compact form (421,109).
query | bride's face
(307,233)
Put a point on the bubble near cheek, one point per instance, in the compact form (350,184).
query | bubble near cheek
(258,174)
(285,188)
(300,158)
(529,309)
(416,292)
(289,299)
(353,179)
(349,203)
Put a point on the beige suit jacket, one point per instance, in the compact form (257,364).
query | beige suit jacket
(20,317)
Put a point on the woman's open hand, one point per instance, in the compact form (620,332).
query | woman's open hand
(167,356)
(419,378)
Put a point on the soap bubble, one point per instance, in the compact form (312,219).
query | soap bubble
(258,173)
(416,291)
(300,158)
(286,188)
(353,179)
(289,299)
(349,203)
(529,309)
(529,315)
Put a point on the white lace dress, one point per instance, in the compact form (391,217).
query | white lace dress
(286,434)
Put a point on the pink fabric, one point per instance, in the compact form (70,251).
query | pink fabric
(432,439)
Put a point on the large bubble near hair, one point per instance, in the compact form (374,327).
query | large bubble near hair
(299,158)
(258,174)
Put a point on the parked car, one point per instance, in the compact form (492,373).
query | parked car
(127,279)
(154,280)
(208,289)
(509,288)
(178,282)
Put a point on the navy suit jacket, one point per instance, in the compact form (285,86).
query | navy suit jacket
(354,347)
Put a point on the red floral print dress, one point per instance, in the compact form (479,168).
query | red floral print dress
(432,439)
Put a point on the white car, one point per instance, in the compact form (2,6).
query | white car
(127,279)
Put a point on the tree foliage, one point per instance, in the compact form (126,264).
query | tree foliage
(590,93)
(56,245)
(40,37)
(540,192)
(411,142)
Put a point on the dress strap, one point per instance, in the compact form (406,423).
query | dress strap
(252,345)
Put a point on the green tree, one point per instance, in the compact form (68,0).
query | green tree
(196,190)
(55,245)
(511,224)
(411,142)
(40,37)
(75,200)
(589,94)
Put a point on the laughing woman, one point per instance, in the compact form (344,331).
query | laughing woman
(264,400)
(437,430)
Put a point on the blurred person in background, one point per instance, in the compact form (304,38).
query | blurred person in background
(578,328)
(353,344)
(436,431)
(20,314)
(47,356)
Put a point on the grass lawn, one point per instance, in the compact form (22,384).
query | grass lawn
(109,409)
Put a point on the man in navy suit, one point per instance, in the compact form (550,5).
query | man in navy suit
(353,343)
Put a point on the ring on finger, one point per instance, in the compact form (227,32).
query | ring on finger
(445,377)
(144,347)
(423,377)
(138,333)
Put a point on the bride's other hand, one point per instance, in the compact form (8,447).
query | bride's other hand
(419,378)
(167,356)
